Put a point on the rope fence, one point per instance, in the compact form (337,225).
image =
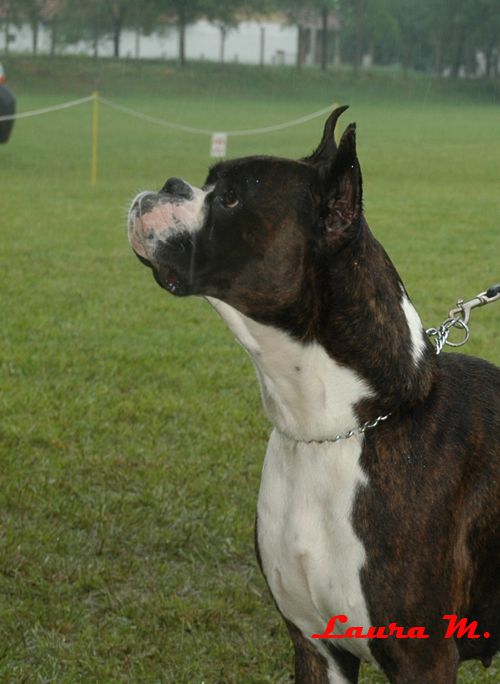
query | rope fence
(206,131)
(47,110)
(219,139)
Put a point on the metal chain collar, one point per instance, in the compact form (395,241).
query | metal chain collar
(457,318)
(355,432)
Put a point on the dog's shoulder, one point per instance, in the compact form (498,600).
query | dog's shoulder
(469,373)
(463,413)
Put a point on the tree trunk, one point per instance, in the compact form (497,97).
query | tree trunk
(6,36)
(118,18)
(406,60)
(34,30)
(222,46)
(300,46)
(337,55)
(53,36)
(459,53)
(324,37)
(313,45)
(262,45)
(137,43)
(181,61)
(470,58)
(359,34)
(438,56)
(117,32)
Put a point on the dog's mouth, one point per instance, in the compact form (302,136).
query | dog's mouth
(161,242)
(166,277)
(169,280)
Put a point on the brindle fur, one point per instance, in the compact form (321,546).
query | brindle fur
(298,254)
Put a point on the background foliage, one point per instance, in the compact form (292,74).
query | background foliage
(438,36)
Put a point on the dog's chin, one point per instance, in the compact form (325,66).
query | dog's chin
(166,277)
(169,280)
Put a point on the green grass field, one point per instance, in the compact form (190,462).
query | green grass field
(131,430)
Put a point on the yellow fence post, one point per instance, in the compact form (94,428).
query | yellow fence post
(95,136)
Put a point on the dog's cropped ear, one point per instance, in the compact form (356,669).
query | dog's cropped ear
(343,188)
(326,150)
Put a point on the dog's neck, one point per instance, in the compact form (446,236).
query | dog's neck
(366,321)
(306,394)
(360,352)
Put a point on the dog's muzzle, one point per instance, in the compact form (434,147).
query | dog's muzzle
(154,217)
(162,232)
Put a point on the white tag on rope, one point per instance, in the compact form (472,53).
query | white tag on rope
(218,146)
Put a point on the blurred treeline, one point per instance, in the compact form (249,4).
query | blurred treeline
(444,37)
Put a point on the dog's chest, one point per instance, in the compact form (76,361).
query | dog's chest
(311,556)
(310,553)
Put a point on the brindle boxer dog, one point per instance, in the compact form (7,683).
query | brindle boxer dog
(396,524)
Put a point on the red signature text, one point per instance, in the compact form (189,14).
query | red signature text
(456,627)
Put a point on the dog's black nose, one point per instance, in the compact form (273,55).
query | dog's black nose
(178,188)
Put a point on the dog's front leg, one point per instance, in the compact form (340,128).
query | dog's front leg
(434,661)
(339,667)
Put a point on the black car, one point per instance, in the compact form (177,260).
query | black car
(7,108)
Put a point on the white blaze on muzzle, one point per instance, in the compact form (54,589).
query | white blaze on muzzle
(156,217)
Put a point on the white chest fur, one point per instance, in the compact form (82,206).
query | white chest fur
(306,394)
(310,553)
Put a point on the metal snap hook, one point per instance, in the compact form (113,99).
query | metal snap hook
(460,323)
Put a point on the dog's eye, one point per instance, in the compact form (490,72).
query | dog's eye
(229,199)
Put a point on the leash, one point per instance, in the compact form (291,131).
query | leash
(457,318)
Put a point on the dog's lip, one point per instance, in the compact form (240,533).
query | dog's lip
(143,259)
(171,284)
(166,276)
(135,237)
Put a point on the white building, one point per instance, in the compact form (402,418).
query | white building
(251,42)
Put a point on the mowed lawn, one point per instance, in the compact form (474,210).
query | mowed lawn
(131,431)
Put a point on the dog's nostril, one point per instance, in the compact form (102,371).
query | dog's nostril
(178,188)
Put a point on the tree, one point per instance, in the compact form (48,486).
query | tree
(118,10)
(51,16)
(225,14)
(8,16)
(33,10)
(37,12)
(88,21)
(353,13)
(183,13)
(455,15)
(447,29)
(486,34)
(222,14)
(142,18)
(128,13)
(303,12)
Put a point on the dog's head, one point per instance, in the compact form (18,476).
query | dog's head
(246,237)
(280,247)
